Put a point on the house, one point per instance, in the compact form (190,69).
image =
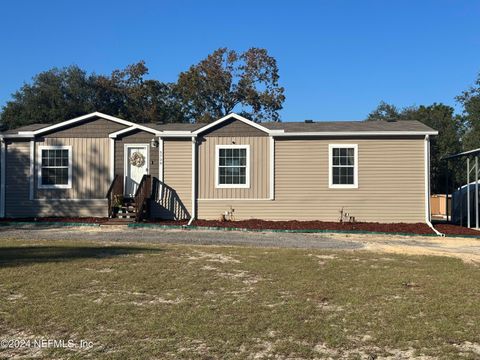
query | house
(375,171)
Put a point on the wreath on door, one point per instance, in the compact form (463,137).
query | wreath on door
(137,159)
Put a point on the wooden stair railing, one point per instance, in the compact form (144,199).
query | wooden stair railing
(115,191)
(142,197)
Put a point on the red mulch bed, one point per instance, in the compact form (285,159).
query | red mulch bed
(88,220)
(255,224)
(450,229)
(421,229)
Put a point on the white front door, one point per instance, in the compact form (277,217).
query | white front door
(136,165)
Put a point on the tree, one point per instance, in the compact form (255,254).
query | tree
(59,94)
(128,94)
(54,95)
(385,112)
(227,80)
(470,100)
(440,117)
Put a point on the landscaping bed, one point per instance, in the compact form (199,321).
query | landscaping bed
(451,229)
(255,224)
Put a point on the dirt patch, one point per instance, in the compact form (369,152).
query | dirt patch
(212,257)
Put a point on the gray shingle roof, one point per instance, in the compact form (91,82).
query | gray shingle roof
(30,127)
(349,126)
(289,127)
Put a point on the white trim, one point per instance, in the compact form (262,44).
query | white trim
(20,135)
(32,169)
(427,177)
(240,118)
(85,117)
(39,165)
(331,185)
(247,167)
(272,168)
(125,162)
(112,158)
(115,134)
(3,158)
(426,152)
(358,133)
(160,159)
(194,180)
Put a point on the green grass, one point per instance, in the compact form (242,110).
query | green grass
(168,301)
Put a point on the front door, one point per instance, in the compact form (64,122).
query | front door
(136,165)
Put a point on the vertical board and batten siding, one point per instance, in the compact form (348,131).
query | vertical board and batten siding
(391,184)
(90,173)
(259,168)
(17,179)
(176,197)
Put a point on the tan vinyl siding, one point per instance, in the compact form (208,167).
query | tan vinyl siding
(96,128)
(17,191)
(259,168)
(17,179)
(90,169)
(390,184)
(176,196)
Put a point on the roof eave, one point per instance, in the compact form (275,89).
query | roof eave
(359,133)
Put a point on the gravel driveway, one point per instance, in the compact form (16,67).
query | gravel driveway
(152,235)
(467,249)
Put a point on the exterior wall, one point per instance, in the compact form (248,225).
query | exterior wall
(391,184)
(17,191)
(259,168)
(90,169)
(176,193)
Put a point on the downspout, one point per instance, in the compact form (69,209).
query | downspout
(194,181)
(427,185)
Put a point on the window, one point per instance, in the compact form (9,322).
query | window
(55,167)
(343,160)
(233,166)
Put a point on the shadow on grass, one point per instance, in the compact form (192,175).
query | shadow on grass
(25,255)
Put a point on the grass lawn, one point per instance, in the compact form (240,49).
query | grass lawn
(203,302)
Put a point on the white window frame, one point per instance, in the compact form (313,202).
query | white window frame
(331,185)
(39,164)
(217,166)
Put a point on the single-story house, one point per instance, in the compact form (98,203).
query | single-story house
(100,165)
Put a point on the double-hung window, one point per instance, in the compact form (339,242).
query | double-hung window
(232,166)
(343,165)
(55,167)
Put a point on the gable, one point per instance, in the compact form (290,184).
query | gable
(233,127)
(91,128)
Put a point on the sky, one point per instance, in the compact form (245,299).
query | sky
(337,59)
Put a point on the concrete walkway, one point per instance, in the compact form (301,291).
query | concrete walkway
(465,248)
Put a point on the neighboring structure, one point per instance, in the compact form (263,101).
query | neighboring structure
(465,204)
(375,171)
